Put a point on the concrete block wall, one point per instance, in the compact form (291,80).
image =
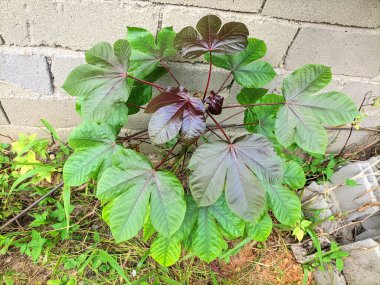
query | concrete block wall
(41,41)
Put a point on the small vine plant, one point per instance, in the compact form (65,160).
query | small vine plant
(232,187)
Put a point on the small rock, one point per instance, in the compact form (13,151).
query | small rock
(351,198)
(371,233)
(329,277)
(362,267)
(372,222)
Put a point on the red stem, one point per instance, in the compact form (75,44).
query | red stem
(171,74)
(230,117)
(224,82)
(250,105)
(219,127)
(208,79)
(212,130)
(167,155)
(158,87)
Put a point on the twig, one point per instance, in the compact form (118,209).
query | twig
(224,82)
(352,126)
(168,70)
(167,155)
(23,212)
(219,127)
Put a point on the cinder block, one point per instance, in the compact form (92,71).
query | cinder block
(25,70)
(348,51)
(80,24)
(63,63)
(363,264)
(230,5)
(14,131)
(353,199)
(14,27)
(194,76)
(28,112)
(276,34)
(363,13)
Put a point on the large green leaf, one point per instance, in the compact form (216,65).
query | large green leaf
(261,119)
(261,229)
(208,240)
(189,221)
(141,93)
(286,205)
(165,250)
(132,182)
(294,176)
(94,147)
(102,81)
(236,168)
(146,53)
(231,224)
(300,119)
(245,70)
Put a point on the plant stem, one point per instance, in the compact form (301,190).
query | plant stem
(210,129)
(230,117)
(163,63)
(167,155)
(251,105)
(219,127)
(158,87)
(224,82)
(208,79)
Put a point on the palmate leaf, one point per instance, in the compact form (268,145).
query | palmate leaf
(165,251)
(131,183)
(261,229)
(232,225)
(148,52)
(294,176)
(175,112)
(102,82)
(236,168)
(261,119)
(245,68)
(94,147)
(207,242)
(211,36)
(300,119)
(141,93)
(285,204)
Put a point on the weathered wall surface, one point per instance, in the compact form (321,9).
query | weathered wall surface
(42,40)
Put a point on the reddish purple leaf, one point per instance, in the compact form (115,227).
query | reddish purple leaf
(175,111)
(215,103)
(210,36)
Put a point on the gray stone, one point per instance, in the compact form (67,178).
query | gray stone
(348,51)
(371,233)
(329,276)
(353,199)
(300,250)
(363,13)
(372,222)
(28,71)
(362,267)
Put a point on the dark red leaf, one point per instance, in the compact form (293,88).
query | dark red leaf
(175,111)
(215,103)
(232,37)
